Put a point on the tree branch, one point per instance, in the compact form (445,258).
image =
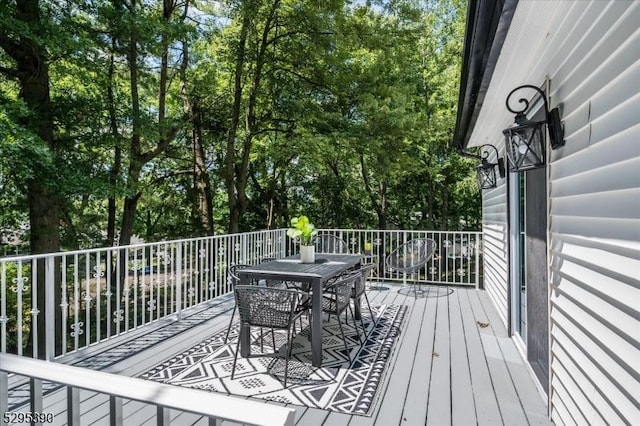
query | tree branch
(9,72)
(301,77)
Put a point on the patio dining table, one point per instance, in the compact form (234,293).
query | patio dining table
(316,274)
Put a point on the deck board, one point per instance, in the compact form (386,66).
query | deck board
(337,419)
(446,369)
(313,417)
(439,406)
(463,409)
(519,372)
(486,404)
(510,404)
(417,394)
(390,411)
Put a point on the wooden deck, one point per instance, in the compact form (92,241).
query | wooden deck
(454,365)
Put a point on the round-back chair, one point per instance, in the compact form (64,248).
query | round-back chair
(410,258)
(329,243)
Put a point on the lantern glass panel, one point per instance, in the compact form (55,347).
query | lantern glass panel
(486,175)
(525,146)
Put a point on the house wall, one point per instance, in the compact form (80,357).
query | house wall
(590,52)
(495,247)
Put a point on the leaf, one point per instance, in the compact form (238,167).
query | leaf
(483,324)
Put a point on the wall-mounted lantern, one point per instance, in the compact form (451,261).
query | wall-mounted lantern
(486,171)
(525,142)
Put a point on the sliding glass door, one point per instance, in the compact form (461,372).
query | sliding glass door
(528,266)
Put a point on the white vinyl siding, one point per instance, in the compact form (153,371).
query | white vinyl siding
(595,223)
(495,247)
(590,52)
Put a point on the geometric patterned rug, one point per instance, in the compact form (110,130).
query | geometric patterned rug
(340,385)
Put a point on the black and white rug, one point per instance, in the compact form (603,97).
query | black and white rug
(340,385)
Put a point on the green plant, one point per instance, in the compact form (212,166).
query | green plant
(302,230)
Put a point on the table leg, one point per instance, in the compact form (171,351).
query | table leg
(245,340)
(245,330)
(316,323)
(357,312)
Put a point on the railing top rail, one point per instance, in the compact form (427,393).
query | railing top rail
(414,231)
(222,407)
(30,257)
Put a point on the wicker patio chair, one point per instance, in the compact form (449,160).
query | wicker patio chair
(336,300)
(273,308)
(359,289)
(410,258)
(329,243)
(271,282)
(233,280)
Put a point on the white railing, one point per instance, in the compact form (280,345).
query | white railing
(94,295)
(456,261)
(85,297)
(216,407)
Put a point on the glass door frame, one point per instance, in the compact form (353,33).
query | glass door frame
(517,258)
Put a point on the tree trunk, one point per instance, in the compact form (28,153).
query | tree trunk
(237,176)
(165,134)
(378,200)
(131,201)
(382,207)
(117,157)
(201,182)
(230,158)
(444,214)
(32,71)
(128,215)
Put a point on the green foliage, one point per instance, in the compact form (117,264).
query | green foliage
(353,115)
(303,231)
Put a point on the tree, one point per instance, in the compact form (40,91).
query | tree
(179,119)
(21,39)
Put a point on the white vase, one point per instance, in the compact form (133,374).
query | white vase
(307,254)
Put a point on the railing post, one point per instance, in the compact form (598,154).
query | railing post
(282,237)
(115,410)
(178,281)
(4,396)
(73,406)
(49,309)
(35,396)
(245,249)
(3,311)
(163,417)
(477,256)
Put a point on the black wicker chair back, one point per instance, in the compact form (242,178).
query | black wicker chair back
(268,307)
(360,285)
(329,243)
(232,275)
(233,280)
(337,298)
(359,290)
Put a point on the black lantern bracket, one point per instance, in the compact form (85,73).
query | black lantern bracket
(552,117)
(525,141)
